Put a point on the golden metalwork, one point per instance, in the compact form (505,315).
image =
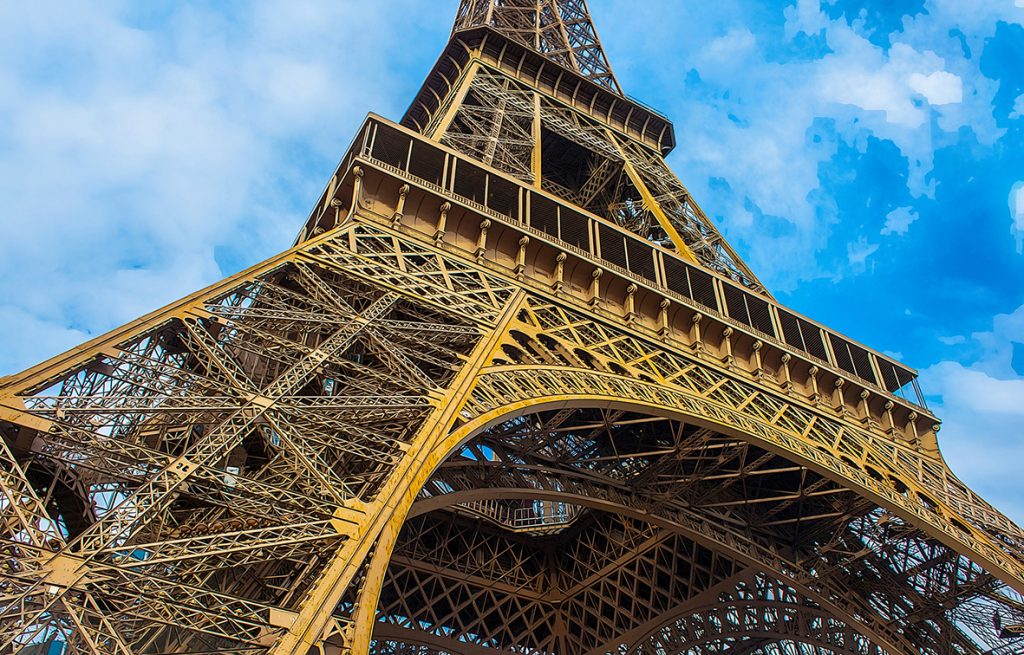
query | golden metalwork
(510,392)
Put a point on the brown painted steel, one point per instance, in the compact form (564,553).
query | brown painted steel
(510,392)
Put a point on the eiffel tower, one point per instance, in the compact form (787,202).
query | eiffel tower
(510,392)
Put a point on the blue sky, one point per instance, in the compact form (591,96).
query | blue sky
(866,158)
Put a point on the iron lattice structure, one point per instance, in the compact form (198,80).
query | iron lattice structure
(509,392)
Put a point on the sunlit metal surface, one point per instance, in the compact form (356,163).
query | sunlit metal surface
(510,392)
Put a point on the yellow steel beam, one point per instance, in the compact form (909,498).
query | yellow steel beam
(465,82)
(394,500)
(651,204)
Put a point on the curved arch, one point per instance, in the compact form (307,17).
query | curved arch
(790,625)
(502,402)
(769,638)
(531,392)
(616,501)
(753,619)
(428,644)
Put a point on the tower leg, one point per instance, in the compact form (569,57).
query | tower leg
(384,517)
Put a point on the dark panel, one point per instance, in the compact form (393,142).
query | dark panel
(890,380)
(760,314)
(812,339)
(641,258)
(574,228)
(861,362)
(470,181)
(427,162)
(544,214)
(703,287)
(391,146)
(613,246)
(843,359)
(735,303)
(791,330)
(894,376)
(503,196)
(676,277)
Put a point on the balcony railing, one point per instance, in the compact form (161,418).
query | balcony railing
(532,210)
(530,516)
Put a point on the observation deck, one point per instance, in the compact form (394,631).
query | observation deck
(608,267)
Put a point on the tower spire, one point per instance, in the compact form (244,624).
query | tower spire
(561,30)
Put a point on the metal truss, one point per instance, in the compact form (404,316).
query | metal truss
(176,486)
(494,124)
(231,474)
(583,589)
(878,570)
(560,29)
(449,420)
(920,484)
(510,125)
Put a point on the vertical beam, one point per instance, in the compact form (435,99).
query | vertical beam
(364,617)
(556,10)
(537,133)
(393,501)
(555,593)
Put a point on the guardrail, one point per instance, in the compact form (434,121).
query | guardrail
(525,516)
(502,197)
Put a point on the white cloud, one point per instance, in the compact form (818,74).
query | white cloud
(981,438)
(38,338)
(863,75)
(997,344)
(955,340)
(1017,215)
(856,91)
(898,221)
(859,251)
(731,49)
(805,16)
(939,88)
(965,388)
(134,157)
(981,405)
(1018,105)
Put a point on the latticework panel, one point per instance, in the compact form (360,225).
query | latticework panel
(559,29)
(177,485)
(853,569)
(495,125)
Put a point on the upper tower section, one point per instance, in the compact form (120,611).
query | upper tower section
(559,29)
(525,87)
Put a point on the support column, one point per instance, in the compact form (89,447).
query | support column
(537,135)
(385,516)
(458,98)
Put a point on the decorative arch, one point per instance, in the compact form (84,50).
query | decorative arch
(505,393)
(614,501)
